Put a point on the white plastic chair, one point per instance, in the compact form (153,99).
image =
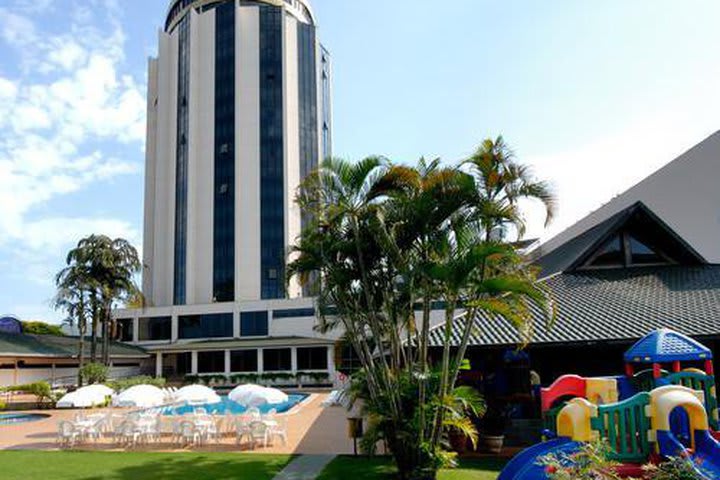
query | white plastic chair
(189,434)
(279,429)
(259,433)
(68,434)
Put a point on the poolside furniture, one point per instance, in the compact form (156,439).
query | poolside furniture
(255,395)
(189,434)
(258,433)
(68,434)
(279,428)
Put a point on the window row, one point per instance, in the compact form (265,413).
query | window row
(274,360)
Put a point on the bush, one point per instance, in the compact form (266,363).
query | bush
(591,462)
(92,373)
(3,405)
(673,469)
(41,390)
(42,328)
(124,384)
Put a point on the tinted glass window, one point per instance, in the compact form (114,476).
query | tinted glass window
(294,313)
(211,362)
(254,324)
(224,211)
(156,328)
(206,326)
(312,358)
(277,359)
(642,254)
(124,330)
(244,361)
(611,254)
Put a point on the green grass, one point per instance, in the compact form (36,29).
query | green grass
(347,468)
(32,465)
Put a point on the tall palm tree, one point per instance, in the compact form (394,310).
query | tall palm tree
(384,238)
(500,183)
(72,289)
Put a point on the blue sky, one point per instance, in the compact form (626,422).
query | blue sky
(595,95)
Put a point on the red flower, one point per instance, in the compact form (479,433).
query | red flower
(550,469)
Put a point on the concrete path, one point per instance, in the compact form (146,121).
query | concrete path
(305,467)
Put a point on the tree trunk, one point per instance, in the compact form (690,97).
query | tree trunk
(82,327)
(93,328)
(106,334)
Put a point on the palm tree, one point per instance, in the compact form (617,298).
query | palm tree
(72,289)
(500,183)
(384,238)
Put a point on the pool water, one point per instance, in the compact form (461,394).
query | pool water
(228,406)
(12,418)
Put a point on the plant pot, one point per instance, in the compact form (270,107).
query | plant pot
(458,442)
(492,443)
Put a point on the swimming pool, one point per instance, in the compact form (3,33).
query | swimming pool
(228,406)
(12,418)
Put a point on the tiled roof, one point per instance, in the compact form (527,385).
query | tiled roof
(617,304)
(54,346)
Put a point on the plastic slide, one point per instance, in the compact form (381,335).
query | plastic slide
(524,465)
(705,458)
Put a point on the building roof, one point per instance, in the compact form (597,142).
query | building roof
(59,347)
(666,345)
(614,304)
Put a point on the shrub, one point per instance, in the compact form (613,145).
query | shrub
(92,373)
(124,384)
(41,390)
(42,328)
(673,469)
(3,405)
(591,462)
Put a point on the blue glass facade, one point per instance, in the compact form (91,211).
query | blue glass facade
(326,104)
(218,325)
(272,189)
(254,324)
(181,165)
(224,201)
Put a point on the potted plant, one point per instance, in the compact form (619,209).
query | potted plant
(493,426)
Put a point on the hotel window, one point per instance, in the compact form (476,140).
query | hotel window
(254,324)
(211,362)
(314,358)
(124,331)
(219,325)
(154,328)
(244,361)
(277,360)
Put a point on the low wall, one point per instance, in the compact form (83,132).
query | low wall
(57,377)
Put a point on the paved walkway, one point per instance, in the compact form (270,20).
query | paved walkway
(305,467)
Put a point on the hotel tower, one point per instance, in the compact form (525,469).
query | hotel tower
(238,114)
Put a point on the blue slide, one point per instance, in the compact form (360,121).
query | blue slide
(705,459)
(524,465)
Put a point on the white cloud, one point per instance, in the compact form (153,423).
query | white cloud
(63,114)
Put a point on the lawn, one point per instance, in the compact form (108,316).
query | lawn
(346,468)
(32,465)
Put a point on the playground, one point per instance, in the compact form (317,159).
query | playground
(664,406)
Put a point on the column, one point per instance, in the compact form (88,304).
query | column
(261,368)
(236,324)
(136,330)
(194,362)
(331,363)
(158,365)
(293,360)
(227,363)
(174,328)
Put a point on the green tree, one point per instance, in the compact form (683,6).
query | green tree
(385,242)
(106,270)
(73,286)
(42,328)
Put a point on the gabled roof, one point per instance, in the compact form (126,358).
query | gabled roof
(57,347)
(577,250)
(614,304)
(666,345)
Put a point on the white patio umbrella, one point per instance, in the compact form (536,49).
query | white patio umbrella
(257,396)
(140,396)
(239,393)
(197,394)
(85,397)
(101,389)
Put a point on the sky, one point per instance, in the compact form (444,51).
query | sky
(594,95)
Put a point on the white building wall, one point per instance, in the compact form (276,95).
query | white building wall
(247,171)
(201,142)
(684,194)
(150,173)
(292,141)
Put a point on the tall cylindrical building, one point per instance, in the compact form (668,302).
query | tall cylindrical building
(238,114)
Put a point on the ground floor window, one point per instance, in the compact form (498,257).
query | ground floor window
(124,331)
(314,358)
(349,361)
(244,361)
(219,325)
(277,359)
(211,362)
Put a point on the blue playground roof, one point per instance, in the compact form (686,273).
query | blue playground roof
(665,345)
